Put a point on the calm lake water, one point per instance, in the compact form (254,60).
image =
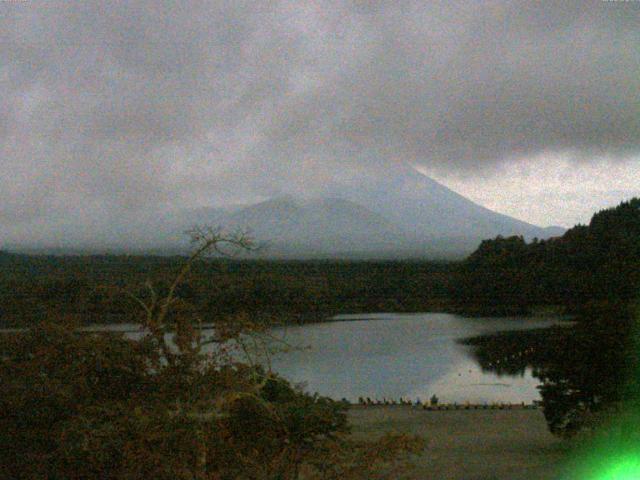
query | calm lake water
(401,355)
(392,356)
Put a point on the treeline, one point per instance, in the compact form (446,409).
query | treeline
(98,288)
(588,373)
(591,266)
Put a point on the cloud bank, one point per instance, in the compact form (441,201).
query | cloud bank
(114,107)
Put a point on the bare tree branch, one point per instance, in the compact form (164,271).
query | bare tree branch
(206,240)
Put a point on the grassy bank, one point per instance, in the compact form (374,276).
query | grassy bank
(470,444)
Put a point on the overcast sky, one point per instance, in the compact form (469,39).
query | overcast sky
(530,108)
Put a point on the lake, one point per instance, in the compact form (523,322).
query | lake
(393,355)
(401,355)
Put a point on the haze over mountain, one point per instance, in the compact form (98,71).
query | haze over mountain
(406,214)
(426,208)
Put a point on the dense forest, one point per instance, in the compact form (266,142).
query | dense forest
(589,267)
(94,289)
(584,370)
(592,273)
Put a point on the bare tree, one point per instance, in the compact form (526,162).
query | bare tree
(157,320)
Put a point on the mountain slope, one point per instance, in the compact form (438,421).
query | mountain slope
(429,210)
(318,227)
(399,215)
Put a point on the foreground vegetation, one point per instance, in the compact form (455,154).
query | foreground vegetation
(102,406)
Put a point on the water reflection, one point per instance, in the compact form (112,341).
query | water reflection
(409,356)
(582,370)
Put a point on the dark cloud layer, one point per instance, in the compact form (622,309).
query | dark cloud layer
(117,106)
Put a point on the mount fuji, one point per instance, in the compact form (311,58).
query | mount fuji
(406,214)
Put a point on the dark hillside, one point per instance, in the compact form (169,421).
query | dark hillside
(589,266)
(92,289)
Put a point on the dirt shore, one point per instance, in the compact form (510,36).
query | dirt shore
(471,444)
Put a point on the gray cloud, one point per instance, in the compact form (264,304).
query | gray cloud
(125,106)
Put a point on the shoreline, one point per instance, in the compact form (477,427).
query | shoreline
(306,319)
(535,405)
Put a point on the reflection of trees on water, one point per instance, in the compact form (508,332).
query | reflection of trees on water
(511,353)
(582,369)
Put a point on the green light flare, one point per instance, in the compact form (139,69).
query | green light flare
(617,453)
(622,469)
(613,453)
(603,464)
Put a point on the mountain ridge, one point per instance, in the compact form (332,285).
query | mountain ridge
(403,215)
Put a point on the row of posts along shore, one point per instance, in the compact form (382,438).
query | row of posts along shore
(434,404)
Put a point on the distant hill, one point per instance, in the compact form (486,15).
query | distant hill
(324,226)
(553,231)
